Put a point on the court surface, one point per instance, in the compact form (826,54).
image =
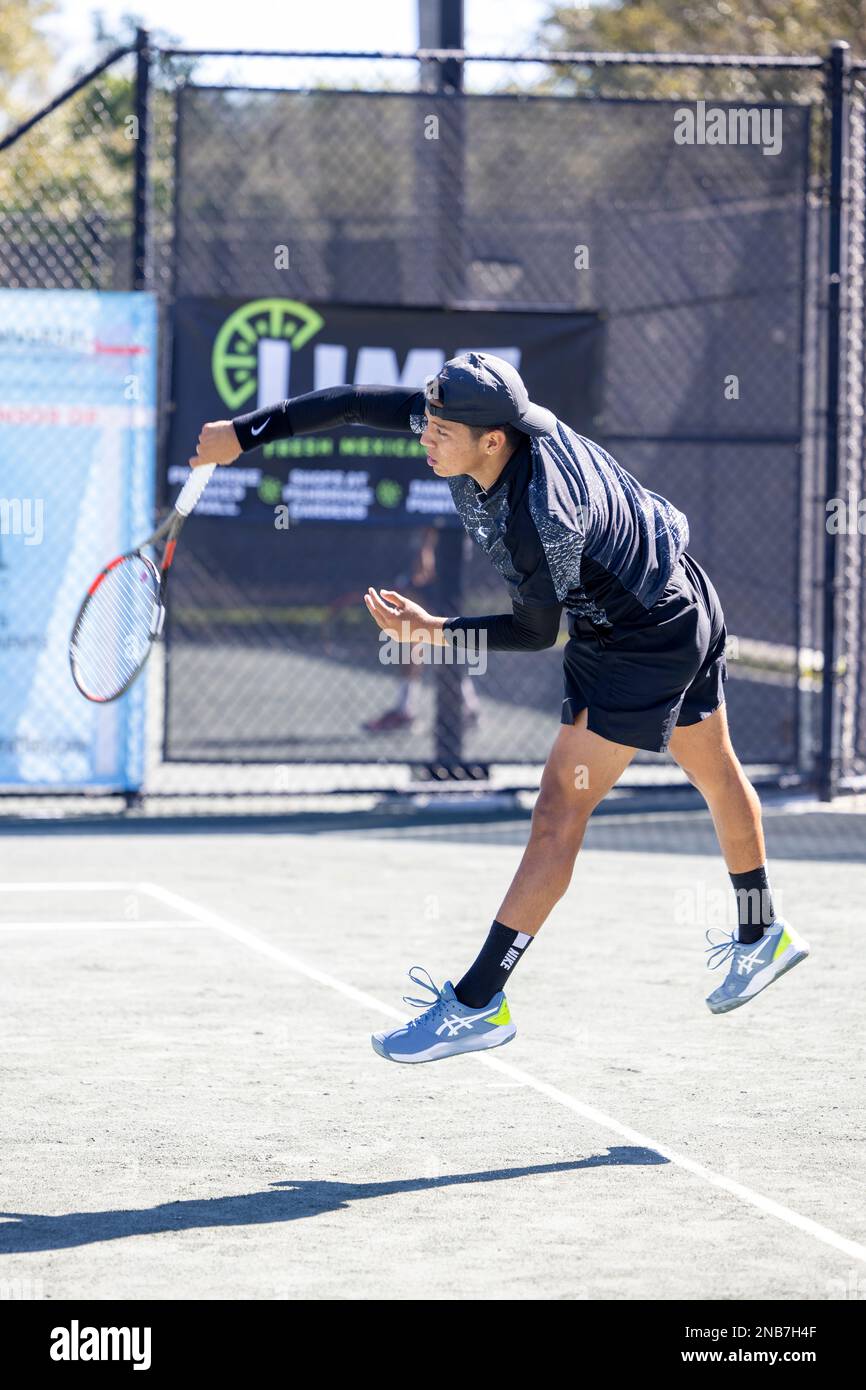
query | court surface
(193,1109)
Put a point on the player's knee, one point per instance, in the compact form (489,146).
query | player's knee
(560,815)
(690,775)
(716,774)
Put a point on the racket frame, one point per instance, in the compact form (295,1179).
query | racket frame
(170,528)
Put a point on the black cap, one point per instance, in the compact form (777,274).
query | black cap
(478,388)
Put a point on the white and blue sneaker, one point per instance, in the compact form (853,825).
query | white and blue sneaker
(753,965)
(446,1027)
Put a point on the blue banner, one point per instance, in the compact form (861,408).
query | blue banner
(77,478)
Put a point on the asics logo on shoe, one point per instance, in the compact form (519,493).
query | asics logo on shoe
(509,958)
(746,964)
(456,1022)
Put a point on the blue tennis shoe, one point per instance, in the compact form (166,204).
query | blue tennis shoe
(446,1027)
(752,966)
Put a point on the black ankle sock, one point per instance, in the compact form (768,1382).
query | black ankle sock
(487,975)
(754,904)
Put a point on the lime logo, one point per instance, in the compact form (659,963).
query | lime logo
(388,493)
(235,356)
(270,490)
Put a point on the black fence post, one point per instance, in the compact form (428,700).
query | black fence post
(839,64)
(140,232)
(140,239)
(448,27)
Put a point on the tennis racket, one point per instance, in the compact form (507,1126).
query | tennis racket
(124,609)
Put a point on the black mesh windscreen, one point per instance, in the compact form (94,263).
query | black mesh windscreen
(693,254)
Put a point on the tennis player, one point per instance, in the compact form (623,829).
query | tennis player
(644,665)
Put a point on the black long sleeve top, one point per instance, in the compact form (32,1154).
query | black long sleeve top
(533,623)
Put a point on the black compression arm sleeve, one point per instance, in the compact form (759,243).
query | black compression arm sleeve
(524,630)
(380,407)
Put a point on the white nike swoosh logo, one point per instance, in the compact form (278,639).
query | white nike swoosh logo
(255,431)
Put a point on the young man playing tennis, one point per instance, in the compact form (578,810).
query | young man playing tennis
(644,665)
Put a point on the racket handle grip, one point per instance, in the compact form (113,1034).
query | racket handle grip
(193,488)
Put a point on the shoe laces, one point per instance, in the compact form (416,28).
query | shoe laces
(723,950)
(430,1010)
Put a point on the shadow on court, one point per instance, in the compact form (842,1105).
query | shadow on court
(26,1232)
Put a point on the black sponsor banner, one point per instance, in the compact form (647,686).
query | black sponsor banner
(233,355)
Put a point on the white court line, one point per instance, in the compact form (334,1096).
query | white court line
(264,948)
(100,925)
(587,1112)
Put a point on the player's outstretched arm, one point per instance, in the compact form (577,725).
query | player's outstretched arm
(379,407)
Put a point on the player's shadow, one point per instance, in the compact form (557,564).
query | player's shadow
(22,1232)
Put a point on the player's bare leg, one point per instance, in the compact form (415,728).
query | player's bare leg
(706,755)
(765,946)
(474,1014)
(580,771)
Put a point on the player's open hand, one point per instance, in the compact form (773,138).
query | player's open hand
(400,618)
(217,443)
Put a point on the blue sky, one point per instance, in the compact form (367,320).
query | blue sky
(335,24)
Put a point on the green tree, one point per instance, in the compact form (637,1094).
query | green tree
(766,28)
(26,57)
(66,185)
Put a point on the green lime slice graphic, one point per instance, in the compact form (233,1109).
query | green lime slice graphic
(388,492)
(235,351)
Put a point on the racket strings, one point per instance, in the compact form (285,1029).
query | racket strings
(114,632)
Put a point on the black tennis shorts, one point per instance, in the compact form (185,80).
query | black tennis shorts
(640,681)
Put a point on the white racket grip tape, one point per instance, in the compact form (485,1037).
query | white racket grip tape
(193,488)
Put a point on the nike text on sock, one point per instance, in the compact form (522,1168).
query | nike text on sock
(496,960)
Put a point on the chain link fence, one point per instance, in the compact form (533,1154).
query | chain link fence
(67,188)
(581,187)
